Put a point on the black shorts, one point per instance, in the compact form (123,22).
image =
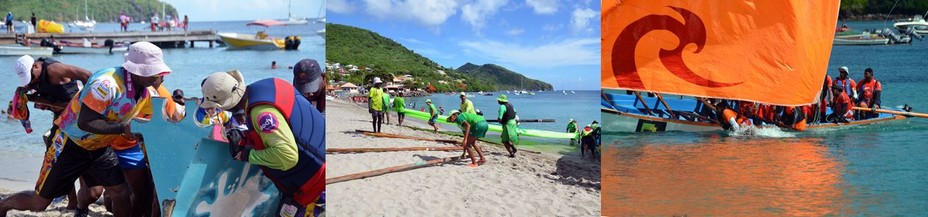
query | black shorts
(64,163)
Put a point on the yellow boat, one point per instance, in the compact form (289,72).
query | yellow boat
(258,41)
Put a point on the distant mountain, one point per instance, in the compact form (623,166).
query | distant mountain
(502,78)
(99,10)
(386,58)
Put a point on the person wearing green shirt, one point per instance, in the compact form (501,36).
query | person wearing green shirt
(399,104)
(386,107)
(474,127)
(467,106)
(433,114)
(573,128)
(507,118)
(375,104)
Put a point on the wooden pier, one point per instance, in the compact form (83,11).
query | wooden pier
(162,39)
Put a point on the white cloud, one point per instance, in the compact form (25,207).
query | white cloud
(476,13)
(580,20)
(413,40)
(543,6)
(570,52)
(432,53)
(516,31)
(426,12)
(339,6)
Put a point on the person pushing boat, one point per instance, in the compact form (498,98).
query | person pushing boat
(53,85)
(285,136)
(88,127)
(433,114)
(572,128)
(474,127)
(507,118)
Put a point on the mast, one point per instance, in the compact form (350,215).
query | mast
(86,17)
(289,5)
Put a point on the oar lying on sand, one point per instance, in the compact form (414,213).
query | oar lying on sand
(399,168)
(365,150)
(528,120)
(903,113)
(387,135)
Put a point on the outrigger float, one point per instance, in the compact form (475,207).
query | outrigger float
(634,113)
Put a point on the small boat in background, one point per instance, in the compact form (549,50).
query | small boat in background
(916,23)
(863,38)
(19,50)
(259,41)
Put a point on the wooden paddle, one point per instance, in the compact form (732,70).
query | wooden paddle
(903,113)
(396,136)
(393,169)
(366,150)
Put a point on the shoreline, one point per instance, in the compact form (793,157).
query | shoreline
(529,184)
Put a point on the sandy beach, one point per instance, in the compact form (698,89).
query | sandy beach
(530,184)
(22,177)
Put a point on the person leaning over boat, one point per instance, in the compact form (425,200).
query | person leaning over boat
(101,113)
(433,114)
(467,106)
(572,128)
(309,79)
(729,119)
(53,85)
(285,136)
(375,104)
(399,104)
(870,90)
(795,117)
(507,118)
(474,127)
(846,83)
(841,107)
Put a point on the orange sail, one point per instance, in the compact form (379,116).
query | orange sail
(774,52)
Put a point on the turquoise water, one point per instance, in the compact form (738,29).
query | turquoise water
(867,170)
(190,66)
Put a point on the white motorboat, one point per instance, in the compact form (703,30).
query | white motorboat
(917,23)
(19,50)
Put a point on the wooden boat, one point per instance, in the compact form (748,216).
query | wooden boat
(19,50)
(630,114)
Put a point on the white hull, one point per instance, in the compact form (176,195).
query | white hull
(91,50)
(20,50)
(920,25)
(628,123)
(871,41)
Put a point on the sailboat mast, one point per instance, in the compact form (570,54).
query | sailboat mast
(85,10)
(289,7)
(162,10)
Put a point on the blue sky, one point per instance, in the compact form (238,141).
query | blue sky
(225,10)
(551,40)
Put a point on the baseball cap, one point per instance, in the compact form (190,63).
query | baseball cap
(312,71)
(24,69)
(223,90)
(145,59)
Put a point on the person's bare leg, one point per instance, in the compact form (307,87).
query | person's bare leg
(24,200)
(89,195)
(473,161)
(473,142)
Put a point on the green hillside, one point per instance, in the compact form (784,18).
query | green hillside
(903,8)
(387,58)
(99,10)
(502,78)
